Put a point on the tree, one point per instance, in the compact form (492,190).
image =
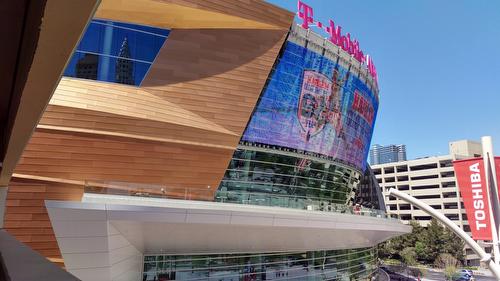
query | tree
(428,243)
(392,248)
(454,245)
(420,250)
(433,239)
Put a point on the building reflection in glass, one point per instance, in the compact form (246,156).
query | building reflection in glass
(276,179)
(354,264)
(116,52)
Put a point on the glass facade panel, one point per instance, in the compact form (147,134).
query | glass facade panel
(273,179)
(116,52)
(315,104)
(369,194)
(354,264)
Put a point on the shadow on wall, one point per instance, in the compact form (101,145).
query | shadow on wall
(217,74)
(193,54)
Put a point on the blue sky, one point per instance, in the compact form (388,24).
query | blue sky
(438,64)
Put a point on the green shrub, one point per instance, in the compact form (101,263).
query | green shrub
(408,255)
(450,272)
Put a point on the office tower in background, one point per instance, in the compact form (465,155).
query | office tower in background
(381,154)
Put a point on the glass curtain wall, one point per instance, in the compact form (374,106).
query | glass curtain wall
(116,52)
(354,264)
(273,179)
(368,193)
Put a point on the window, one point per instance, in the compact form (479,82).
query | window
(431,186)
(404,187)
(391,179)
(405,207)
(116,52)
(402,178)
(355,264)
(453,217)
(434,196)
(424,167)
(450,205)
(426,177)
(405,217)
(447,174)
(275,179)
(449,194)
(449,184)
(388,170)
(445,163)
(423,218)
(402,168)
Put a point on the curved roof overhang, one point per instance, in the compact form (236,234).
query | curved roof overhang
(187,14)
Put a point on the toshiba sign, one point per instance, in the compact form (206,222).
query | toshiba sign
(472,184)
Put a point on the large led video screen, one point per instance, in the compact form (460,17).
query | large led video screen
(312,104)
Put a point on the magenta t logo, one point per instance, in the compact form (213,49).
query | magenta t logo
(305,13)
(335,33)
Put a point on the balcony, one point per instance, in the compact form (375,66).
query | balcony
(108,233)
(305,202)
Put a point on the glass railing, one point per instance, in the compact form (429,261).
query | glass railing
(234,197)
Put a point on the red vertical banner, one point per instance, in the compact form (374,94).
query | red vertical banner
(472,182)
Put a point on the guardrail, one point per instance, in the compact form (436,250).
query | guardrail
(236,197)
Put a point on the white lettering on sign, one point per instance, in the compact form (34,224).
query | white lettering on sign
(477,196)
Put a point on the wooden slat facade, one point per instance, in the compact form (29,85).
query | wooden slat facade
(215,14)
(26,217)
(178,130)
(217,74)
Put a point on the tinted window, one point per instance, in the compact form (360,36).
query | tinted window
(116,52)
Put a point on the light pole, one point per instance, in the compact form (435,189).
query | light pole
(489,167)
(485,257)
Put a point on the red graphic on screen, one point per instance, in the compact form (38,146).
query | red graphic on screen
(319,102)
(313,107)
(363,107)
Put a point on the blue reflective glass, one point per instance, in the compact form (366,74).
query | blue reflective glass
(116,52)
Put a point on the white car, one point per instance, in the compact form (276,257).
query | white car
(467,271)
